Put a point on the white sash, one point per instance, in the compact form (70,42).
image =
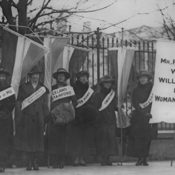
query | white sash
(81,101)
(148,101)
(62,92)
(6,93)
(107,100)
(33,97)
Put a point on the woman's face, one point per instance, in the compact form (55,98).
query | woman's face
(107,85)
(3,77)
(143,80)
(61,78)
(83,79)
(35,78)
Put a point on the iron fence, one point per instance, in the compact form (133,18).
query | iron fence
(98,64)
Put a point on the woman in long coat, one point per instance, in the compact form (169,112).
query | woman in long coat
(57,132)
(7,104)
(140,131)
(106,104)
(30,119)
(83,126)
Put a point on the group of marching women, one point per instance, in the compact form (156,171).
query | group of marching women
(72,112)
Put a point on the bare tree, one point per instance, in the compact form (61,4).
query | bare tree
(168,25)
(35,17)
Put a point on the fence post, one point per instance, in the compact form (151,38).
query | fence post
(98,35)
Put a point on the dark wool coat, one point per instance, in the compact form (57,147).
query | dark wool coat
(30,121)
(81,133)
(86,113)
(140,130)
(105,125)
(6,124)
(57,134)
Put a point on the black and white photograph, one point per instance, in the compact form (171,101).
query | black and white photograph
(87,87)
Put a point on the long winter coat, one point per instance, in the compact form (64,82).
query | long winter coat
(140,131)
(57,134)
(30,121)
(105,125)
(86,113)
(6,124)
(81,132)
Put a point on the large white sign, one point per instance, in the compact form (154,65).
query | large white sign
(163,106)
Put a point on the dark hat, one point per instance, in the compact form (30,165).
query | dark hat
(4,71)
(144,73)
(61,71)
(106,78)
(34,70)
(82,73)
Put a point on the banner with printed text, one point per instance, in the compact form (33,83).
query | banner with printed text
(163,104)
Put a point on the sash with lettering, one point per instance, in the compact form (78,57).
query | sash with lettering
(81,101)
(62,92)
(6,93)
(33,97)
(148,101)
(107,100)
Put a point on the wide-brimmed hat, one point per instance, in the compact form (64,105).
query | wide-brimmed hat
(82,73)
(35,70)
(4,71)
(143,74)
(61,71)
(106,78)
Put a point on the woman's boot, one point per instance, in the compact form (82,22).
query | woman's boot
(29,161)
(139,162)
(144,161)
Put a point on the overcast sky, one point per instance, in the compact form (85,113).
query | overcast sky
(124,9)
(120,10)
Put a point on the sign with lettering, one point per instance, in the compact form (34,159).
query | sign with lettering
(163,102)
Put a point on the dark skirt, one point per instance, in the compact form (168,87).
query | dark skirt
(6,139)
(56,137)
(80,140)
(106,142)
(140,136)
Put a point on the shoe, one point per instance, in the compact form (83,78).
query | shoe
(61,165)
(103,163)
(139,162)
(29,166)
(2,169)
(35,165)
(55,166)
(144,162)
(109,163)
(76,162)
(82,162)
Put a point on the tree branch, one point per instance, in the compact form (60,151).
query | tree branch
(44,5)
(29,2)
(168,30)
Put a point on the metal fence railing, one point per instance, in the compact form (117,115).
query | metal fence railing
(98,64)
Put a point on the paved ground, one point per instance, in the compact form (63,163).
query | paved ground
(155,168)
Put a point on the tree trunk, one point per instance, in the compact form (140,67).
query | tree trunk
(22,16)
(7,11)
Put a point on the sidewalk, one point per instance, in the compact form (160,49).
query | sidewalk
(155,168)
